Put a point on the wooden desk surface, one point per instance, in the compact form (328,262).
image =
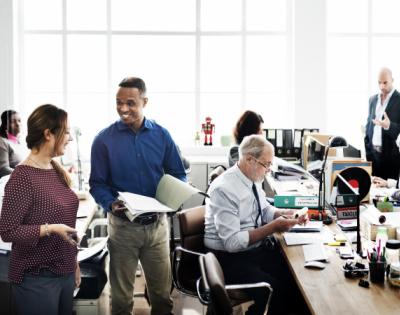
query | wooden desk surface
(327,291)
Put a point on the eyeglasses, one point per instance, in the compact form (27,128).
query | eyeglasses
(266,165)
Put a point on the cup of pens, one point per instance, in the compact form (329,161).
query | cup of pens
(377,271)
(377,264)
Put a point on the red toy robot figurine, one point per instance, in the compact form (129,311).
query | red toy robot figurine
(208,128)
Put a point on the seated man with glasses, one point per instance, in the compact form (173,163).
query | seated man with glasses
(239,227)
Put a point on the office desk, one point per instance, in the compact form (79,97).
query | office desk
(327,291)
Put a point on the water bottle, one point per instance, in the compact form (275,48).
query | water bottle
(381,237)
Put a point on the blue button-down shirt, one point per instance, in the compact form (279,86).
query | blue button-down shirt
(122,160)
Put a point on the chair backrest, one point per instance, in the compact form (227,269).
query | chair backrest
(191,225)
(214,282)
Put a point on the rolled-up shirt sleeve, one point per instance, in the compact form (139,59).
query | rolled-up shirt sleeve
(268,211)
(227,221)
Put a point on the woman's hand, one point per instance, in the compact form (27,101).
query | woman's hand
(66,232)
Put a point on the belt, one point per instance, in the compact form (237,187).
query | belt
(377,148)
(143,219)
(147,218)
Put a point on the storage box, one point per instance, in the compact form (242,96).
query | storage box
(86,307)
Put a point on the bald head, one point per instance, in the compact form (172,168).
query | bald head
(385,81)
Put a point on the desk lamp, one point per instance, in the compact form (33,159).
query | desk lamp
(334,142)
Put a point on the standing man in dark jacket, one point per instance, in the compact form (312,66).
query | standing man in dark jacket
(383,127)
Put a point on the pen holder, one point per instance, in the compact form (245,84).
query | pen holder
(377,271)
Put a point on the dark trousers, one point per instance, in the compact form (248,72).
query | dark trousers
(377,165)
(383,166)
(45,293)
(263,265)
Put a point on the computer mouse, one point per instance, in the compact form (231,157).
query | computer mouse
(314,264)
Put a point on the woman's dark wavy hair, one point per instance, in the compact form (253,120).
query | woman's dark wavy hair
(5,122)
(248,124)
(55,119)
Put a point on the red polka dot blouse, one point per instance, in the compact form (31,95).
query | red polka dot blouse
(33,197)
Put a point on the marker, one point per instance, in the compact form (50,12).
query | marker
(337,243)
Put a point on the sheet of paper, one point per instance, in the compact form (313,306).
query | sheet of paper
(138,203)
(172,192)
(86,253)
(325,236)
(311,226)
(5,246)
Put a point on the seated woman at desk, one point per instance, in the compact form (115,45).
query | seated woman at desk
(38,216)
(10,148)
(249,123)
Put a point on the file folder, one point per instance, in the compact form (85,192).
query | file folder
(297,143)
(271,136)
(287,143)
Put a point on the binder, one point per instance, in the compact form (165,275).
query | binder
(271,136)
(295,201)
(279,143)
(297,143)
(287,143)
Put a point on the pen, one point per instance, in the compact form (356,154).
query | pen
(337,243)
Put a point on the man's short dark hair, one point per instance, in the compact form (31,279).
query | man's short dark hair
(132,82)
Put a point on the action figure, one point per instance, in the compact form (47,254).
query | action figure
(208,128)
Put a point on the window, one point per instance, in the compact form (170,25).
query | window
(195,63)
(362,38)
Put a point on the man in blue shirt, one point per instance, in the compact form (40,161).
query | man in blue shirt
(132,155)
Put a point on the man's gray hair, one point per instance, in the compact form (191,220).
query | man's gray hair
(254,145)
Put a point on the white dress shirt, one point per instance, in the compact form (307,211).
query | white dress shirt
(231,211)
(379,110)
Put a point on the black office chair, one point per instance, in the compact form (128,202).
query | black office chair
(213,292)
(185,260)
(185,266)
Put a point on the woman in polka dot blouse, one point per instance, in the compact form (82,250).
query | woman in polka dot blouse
(38,217)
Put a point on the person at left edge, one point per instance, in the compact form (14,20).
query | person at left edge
(11,150)
(38,216)
(132,155)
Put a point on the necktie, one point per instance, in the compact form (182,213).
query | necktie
(254,188)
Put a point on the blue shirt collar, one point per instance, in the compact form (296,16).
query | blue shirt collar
(147,124)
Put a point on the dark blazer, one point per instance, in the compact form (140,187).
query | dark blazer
(390,151)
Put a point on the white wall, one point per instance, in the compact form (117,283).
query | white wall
(6,55)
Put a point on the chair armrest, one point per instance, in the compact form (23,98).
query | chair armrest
(175,266)
(203,293)
(187,251)
(253,285)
